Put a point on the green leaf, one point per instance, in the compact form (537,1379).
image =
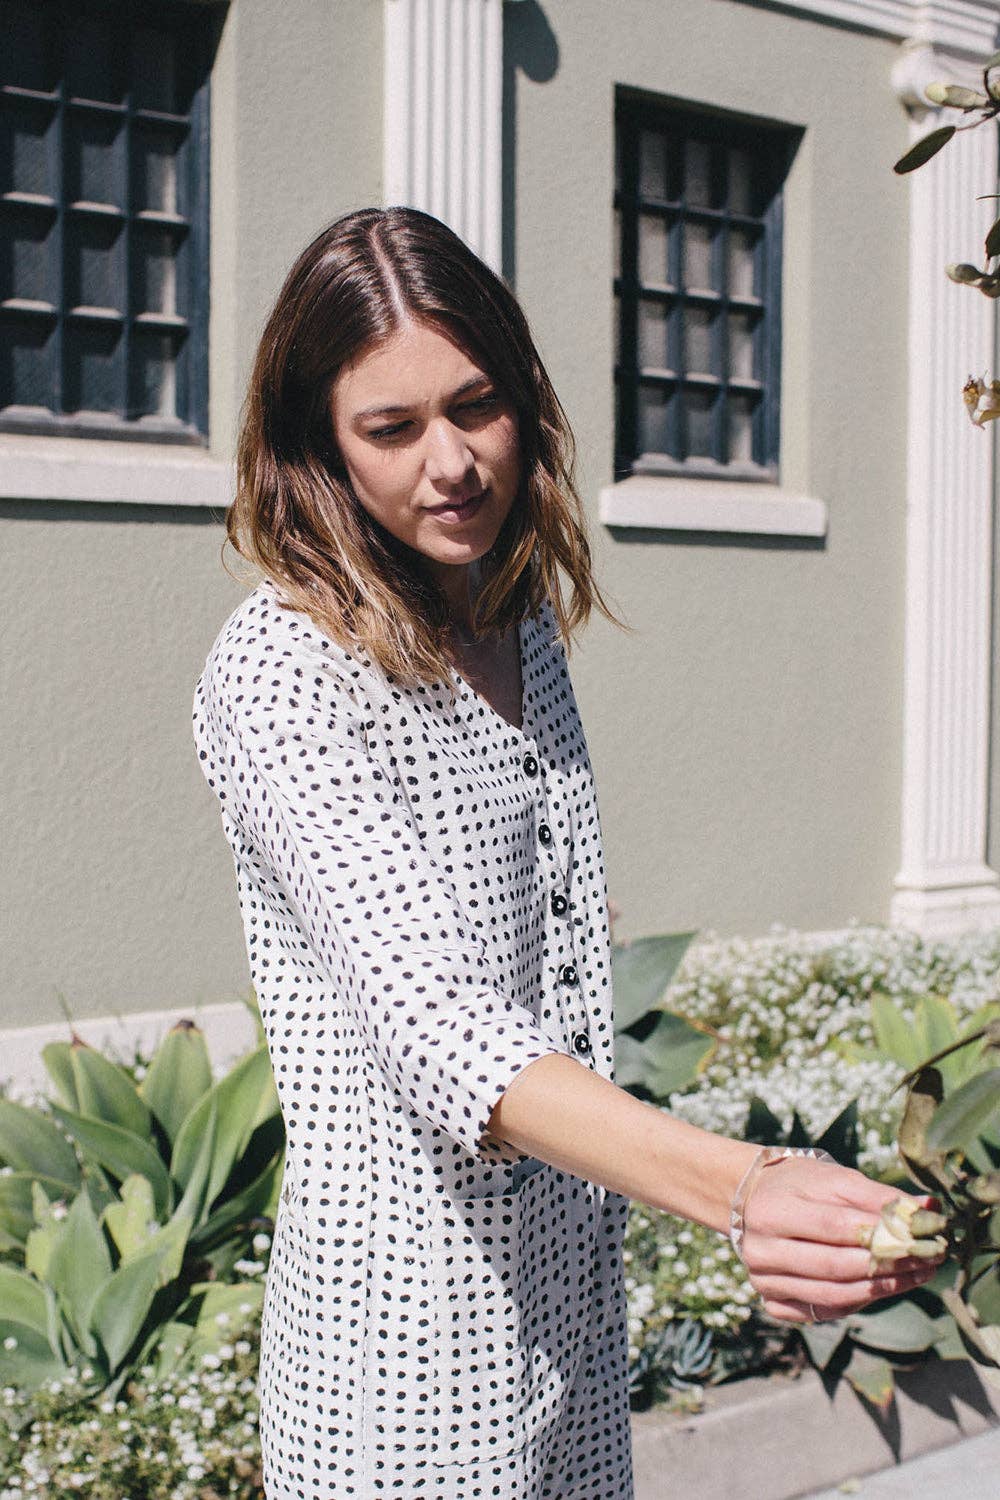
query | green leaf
(195,1201)
(179,1074)
(762,1126)
(993,239)
(132,1221)
(893,1033)
(253,1202)
(23,1298)
(121,1306)
(120,1152)
(30,1142)
(58,1060)
(872,1378)
(823,1340)
(902,1328)
(17,1215)
(936,1024)
(962,1115)
(840,1137)
(106,1092)
(982,1344)
(30,1361)
(667,1061)
(641,972)
(236,1097)
(78,1267)
(924,149)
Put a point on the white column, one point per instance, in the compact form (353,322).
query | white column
(945,884)
(442,121)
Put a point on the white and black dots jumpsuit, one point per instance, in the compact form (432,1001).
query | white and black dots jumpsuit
(424,901)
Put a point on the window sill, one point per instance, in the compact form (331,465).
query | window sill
(87,469)
(675,503)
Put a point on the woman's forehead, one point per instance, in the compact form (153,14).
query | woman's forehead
(416,363)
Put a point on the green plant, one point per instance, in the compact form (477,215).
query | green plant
(128,1208)
(657,1052)
(678,1357)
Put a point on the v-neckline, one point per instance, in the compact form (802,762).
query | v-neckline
(476,699)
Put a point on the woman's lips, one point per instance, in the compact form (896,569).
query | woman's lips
(458,510)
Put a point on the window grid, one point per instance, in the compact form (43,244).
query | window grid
(103,220)
(698,232)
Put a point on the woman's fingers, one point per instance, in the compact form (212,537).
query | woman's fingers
(836,1299)
(816,1201)
(820,1262)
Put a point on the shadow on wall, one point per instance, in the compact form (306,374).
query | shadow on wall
(529,43)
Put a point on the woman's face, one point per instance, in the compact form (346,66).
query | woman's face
(430,446)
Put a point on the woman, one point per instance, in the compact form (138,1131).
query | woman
(388,724)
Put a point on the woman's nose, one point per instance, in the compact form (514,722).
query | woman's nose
(447,459)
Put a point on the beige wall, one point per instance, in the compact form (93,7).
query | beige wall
(116,884)
(747,737)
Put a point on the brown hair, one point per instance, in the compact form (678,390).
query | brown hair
(295,516)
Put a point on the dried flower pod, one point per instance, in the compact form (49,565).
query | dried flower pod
(906,1230)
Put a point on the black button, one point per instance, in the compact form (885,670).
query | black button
(529,765)
(544,834)
(560,905)
(581,1043)
(568,974)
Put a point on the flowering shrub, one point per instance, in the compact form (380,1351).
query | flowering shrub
(793,1015)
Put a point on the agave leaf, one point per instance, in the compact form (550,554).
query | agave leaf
(27,1359)
(106,1092)
(936,1028)
(221,1308)
(267,1140)
(24,1298)
(872,1377)
(166,1347)
(641,972)
(78,1267)
(58,1060)
(921,152)
(823,1340)
(667,1061)
(119,1152)
(17,1215)
(901,1328)
(253,1202)
(762,1125)
(168,1245)
(960,1117)
(179,1074)
(30,1142)
(121,1306)
(236,1098)
(982,1344)
(132,1221)
(894,1034)
(840,1137)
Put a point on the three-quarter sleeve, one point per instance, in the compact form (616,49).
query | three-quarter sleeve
(384,920)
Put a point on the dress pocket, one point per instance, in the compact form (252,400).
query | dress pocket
(511,1278)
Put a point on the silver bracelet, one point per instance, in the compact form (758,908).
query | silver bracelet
(765,1157)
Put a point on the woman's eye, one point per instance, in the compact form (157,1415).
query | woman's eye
(393,430)
(481,403)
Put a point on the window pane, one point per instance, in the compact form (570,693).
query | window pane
(654,244)
(740,346)
(699,245)
(29,247)
(742,263)
(95,158)
(154,287)
(95,262)
(95,58)
(154,71)
(699,341)
(741,410)
(27,362)
(156,156)
(653,327)
(25,57)
(654,419)
(92,368)
(28,144)
(744,197)
(653,182)
(699,407)
(700,184)
(152,379)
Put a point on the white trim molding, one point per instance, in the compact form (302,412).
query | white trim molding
(945,884)
(962,26)
(741,508)
(443,101)
(229,1030)
(115,472)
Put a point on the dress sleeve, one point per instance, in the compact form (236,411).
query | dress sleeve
(382,917)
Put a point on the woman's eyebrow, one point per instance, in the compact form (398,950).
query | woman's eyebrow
(393,411)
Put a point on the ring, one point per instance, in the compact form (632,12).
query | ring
(813,1313)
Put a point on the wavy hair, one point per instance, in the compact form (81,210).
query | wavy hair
(295,516)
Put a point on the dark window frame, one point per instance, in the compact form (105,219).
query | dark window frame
(197,27)
(772,146)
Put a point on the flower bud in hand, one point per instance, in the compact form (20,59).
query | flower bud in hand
(905,1231)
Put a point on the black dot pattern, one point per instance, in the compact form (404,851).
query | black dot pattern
(424,903)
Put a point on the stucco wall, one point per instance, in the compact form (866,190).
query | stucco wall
(116,884)
(746,737)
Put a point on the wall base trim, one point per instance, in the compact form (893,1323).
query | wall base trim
(946,911)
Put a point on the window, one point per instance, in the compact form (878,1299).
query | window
(697,283)
(104,218)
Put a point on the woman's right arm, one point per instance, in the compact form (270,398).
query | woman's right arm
(802,1222)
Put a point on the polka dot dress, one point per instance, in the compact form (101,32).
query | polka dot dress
(423,896)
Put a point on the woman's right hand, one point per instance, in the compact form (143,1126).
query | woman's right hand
(803,1243)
